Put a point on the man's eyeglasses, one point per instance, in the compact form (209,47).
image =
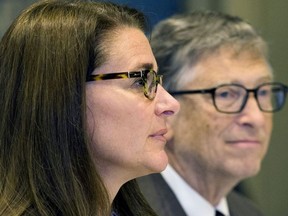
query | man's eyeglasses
(232,98)
(149,77)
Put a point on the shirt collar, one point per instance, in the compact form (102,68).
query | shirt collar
(190,200)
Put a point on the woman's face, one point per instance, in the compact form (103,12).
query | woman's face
(127,130)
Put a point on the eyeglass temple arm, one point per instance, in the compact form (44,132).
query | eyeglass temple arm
(118,75)
(200,91)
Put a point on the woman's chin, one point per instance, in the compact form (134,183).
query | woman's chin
(157,165)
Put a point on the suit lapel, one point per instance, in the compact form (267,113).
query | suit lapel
(160,196)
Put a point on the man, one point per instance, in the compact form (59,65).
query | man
(216,66)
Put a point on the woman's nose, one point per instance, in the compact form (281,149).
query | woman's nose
(166,105)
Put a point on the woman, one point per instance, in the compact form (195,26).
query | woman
(82,113)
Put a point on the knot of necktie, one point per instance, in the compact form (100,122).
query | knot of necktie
(218,213)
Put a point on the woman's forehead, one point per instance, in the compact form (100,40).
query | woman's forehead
(129,51)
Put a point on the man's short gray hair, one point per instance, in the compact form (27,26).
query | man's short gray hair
(182,40)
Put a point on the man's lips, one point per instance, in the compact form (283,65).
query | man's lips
(244,142)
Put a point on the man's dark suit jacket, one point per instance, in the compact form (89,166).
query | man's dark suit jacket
(164,202)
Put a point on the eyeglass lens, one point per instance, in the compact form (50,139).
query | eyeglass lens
(232,98)
(271,97)
(151,81)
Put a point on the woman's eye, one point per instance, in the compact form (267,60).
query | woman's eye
(138,83)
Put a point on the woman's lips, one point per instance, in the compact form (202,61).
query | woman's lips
(160,135)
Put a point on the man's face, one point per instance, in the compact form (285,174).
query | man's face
(205,140)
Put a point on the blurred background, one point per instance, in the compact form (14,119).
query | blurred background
(269,189)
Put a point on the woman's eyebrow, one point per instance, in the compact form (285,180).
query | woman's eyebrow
(144,66)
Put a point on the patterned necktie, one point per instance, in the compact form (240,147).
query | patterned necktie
(217,213)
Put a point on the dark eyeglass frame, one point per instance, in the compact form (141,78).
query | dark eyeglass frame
(148,90)
(212,91)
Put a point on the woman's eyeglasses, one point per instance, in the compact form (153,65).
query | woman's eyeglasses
(149,77)
(232,98)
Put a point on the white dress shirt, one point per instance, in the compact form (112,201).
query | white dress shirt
(190,200)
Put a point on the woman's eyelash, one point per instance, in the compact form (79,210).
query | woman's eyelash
(138,82)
